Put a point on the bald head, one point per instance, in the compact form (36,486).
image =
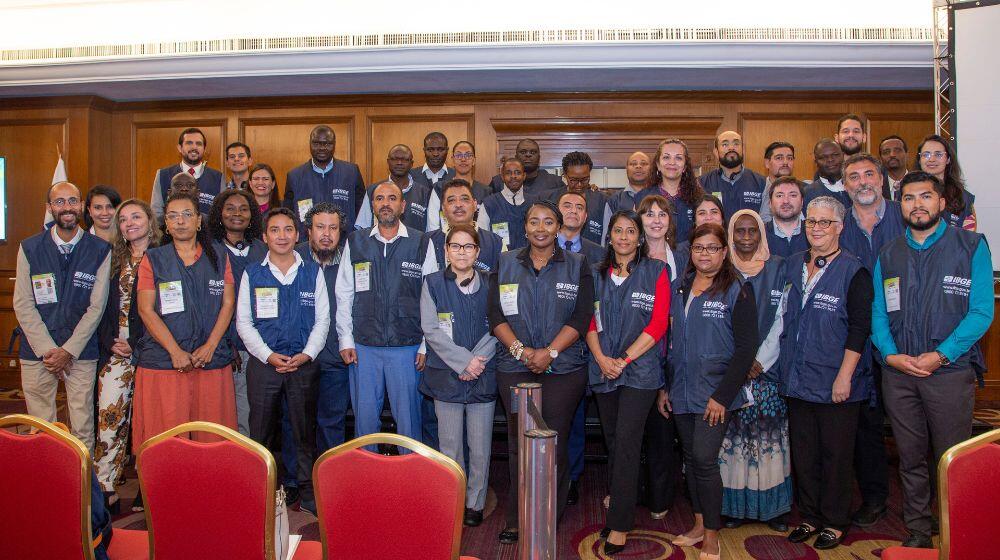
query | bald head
(64,187)
(387,203)
(729,149)
(183,182)
(400,161)
(66,205)
(637,169)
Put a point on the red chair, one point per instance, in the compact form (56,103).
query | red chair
(969,493)
(374,506)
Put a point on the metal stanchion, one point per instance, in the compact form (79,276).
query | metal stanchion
(537,473)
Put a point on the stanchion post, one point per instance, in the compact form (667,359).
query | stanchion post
(538,528)
(522,393)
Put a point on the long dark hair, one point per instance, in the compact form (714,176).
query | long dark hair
(954,183)
(255,229)
(690,189)
(275,200)
(642,251)
(663,204)
(727,275)
(99,190)
(202,236)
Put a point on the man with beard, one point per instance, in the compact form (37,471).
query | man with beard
(850,134)
(324,179)
(423,207)
(736,186)
(460,208)
(892,150)
(537,182)
(779,160)
(434,172)
(378,316)
(191,146)
(576,172)
(933,302)
(785,235)
(59,296)
(638,169)
(829,158)
(870,224)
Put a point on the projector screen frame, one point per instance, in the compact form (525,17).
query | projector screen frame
(952,69)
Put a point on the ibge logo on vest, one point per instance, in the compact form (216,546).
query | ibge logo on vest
(84,280)
(410,269)
(215,287)
(714,309)
(642,301)
(340,194)
(956,286)
(307,299)
(565,290)
(825,302)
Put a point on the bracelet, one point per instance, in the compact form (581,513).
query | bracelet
(515,347)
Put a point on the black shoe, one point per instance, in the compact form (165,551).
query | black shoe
(868,515)
(605,532)
(308,506)
(827,539)
(612,549)
(733,523)
(291,495)
(137,503)
(778,525)
(574,494)
(473,518)
(917,540)
(508,536)
(801,533)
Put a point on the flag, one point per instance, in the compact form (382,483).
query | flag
(58,176)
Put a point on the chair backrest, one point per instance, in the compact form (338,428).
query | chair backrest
(374,506)
(969,483)
(207,500)
(45,489)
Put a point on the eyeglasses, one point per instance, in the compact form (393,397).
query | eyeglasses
(463,156)
(60,202)
(823,224)
(932,155)
(578,181)
(460,248)
(178,216)
(710,249)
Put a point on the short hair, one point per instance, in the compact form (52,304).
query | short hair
(572,193)
(823,142)
(323,128)
(377,185)
(192,130)
(511,160)
(182,176)
(769,150)
(435,134)
(577,158)
(548,205)
(454,184)
(466,142)
(325,208)
(48,193)
(850,117)
(893,137)
(922,177)
(280,211)
(218,229)
(858,158)
(787,180)
(831,203)
(463,228)
(238,145)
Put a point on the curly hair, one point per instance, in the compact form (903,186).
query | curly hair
(121,248)
(202,236)
(690,189)
(255,229)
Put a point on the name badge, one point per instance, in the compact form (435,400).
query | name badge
(503,231)
(891,288)
(597,316)
(717,194)
(362,276)
(304,207)
(508,299)
(266,300)
(44,286)
(171,297)
(444,323)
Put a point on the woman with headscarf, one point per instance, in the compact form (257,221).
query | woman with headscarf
(755,461)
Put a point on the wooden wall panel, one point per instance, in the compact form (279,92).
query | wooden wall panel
(155,146)
(385,131)
(912,128)
(801,130)
(284,143)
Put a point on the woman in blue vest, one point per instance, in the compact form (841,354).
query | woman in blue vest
(825,371)
(936,156)
(631,315)
(755,462)
(460,373)
(712,346)
(503,212)
(673,178)
(707,211)
(137,230)
(186,300)
(540,304)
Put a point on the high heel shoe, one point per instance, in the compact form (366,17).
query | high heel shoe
(611,549)
(681,540)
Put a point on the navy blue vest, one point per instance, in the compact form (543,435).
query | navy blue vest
(238,263)
(623,312)
(388,313)
(208,185)
(289,332)
(593,251)
(539,187)
(469,322)
(958,219)
(74,280)
(545,302)
(622,200)
(338,186)
(768,286)
(782,246)
(502,212)
(683,213)
(419,177)
(934,289)
(593,229)
(745,194)
(489,249)
(817,189)
(701,345)
(854,240)
(202,288)
(812,343)
(330,356)
(417,199)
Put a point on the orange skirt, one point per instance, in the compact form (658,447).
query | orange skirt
(165,399)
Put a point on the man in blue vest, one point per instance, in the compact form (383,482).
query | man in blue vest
(638,170)
(283,316)
(59,296)
(434,172)
(779,160)
(459,207)
(378,316)
(933,302)
(829,158)
(324,179)
(191,145)
(577,167)
(785,235)
(423,205)
(537,181)
(736,186)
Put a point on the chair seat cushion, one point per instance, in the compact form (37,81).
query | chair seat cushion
(127,544)
(901,553)
(309,550)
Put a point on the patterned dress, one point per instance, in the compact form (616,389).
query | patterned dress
(115,384)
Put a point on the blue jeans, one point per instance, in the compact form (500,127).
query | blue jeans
(331,415)
(383,370)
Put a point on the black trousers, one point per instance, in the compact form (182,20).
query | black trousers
(560,396)
(662,461)
(871,465)
(265,389)
(623,417)
(822,437)
(701,444)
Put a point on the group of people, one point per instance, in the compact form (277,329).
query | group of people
(753,329)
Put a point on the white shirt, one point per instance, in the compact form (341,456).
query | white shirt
(198,169)
(434,177)
(835,187)
(71,243)
(514,198)
(366,219)
(244,314)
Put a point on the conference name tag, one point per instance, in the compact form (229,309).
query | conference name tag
(508,299)
(444,323)
(597,316)
(362,276)
(717,194)
(266,300)
(503,231)
(304,207)
(44,286)
(891,286)
(171,297)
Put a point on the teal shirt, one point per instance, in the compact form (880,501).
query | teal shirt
(969,330)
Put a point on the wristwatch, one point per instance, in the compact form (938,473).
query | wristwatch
(942,359)
(553,353)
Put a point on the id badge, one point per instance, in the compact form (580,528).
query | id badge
(445,322)
(44,287)
(508,299)
(171,297)
(502,230)
(304,207)
(362,276)
(891,288)
(266,301)
(597,316)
